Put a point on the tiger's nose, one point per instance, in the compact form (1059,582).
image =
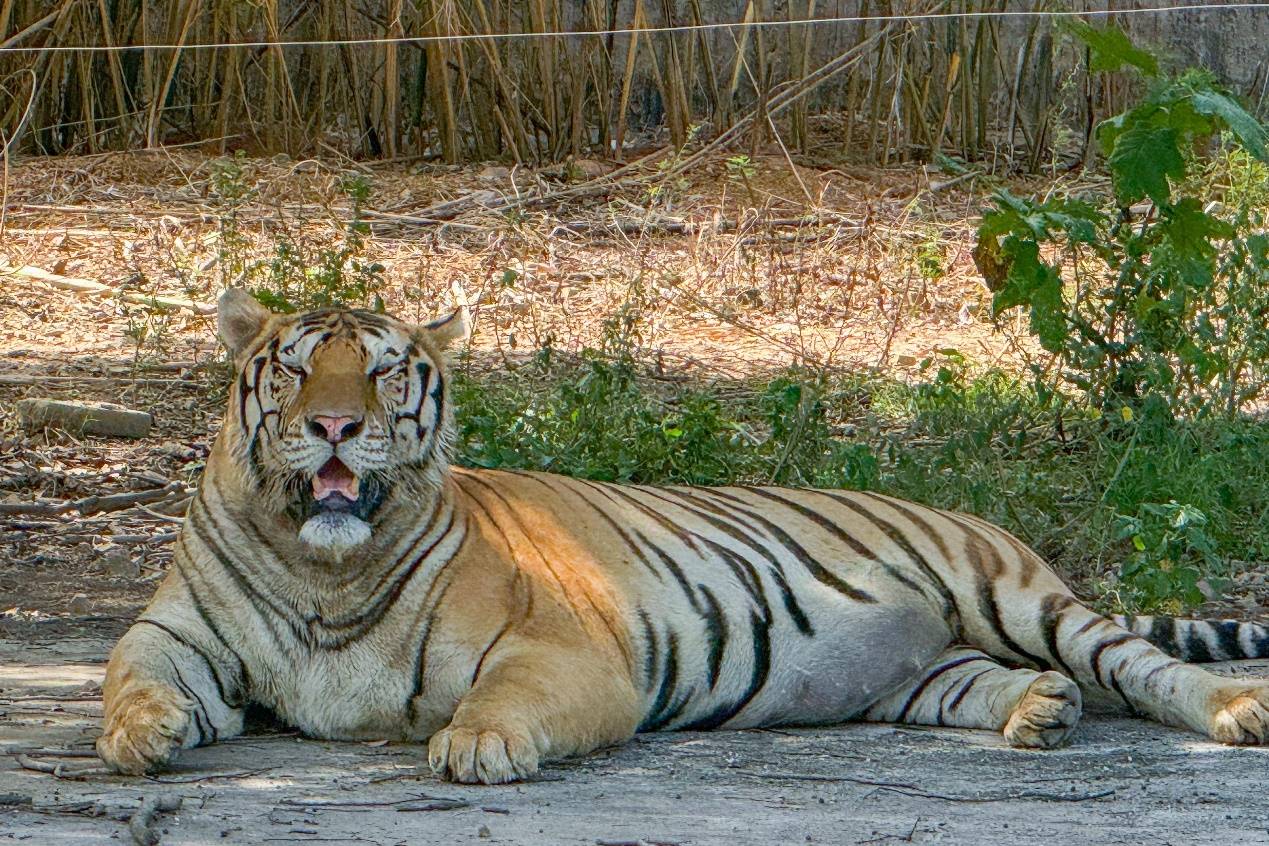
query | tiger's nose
(334,429)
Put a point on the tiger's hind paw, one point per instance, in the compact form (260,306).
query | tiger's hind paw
(1046,714)
(1244,719)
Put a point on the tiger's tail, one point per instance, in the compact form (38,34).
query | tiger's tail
(1200,641)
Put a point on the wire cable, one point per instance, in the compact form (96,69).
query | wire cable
(703,27)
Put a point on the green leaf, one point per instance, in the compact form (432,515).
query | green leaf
(1110,48)
(1190,230)
(1034,283)
(1250,132)
(1143,159)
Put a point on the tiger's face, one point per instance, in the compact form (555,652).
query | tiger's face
(335,411)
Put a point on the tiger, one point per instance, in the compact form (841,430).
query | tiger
(335,569)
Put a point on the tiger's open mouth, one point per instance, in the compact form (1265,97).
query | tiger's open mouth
(336,487)
(335,507)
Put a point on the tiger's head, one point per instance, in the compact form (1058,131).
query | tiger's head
(335,412)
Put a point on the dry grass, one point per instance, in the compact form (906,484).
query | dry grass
(731,267)
(714,288)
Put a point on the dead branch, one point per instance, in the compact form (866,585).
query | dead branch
(88,286)
(60,770)
(212,777)
(141,826)
(93,504)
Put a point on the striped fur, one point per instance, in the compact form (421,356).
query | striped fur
(510,618)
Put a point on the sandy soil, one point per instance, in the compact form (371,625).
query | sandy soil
(1120,781)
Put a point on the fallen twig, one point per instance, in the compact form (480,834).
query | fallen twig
(421,802)
(60,770)
(212,777)
(1038,796)
(141,826)
(55,753)
(93,504)
(88,286)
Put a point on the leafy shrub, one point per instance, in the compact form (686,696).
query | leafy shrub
(1171,553)
(297,278)
(1167,299)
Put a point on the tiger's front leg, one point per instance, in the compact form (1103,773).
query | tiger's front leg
(163,692)
(533,702)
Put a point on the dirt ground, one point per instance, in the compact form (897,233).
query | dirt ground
(704,271)
(804,264)
(1120,781)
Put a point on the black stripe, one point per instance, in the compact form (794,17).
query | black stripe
(1196,650)
(202,720)
(211,665)
(928,680)
(1051,608)
(651,653)
(656,719)
(814,567)
(716,628)
(960,697)
(1260,641)
(200,608)
(420,661)
(761,630)
(1095,657)
(987,604)
(1227,637)
(480,664)
(1114,683)
(1163,635)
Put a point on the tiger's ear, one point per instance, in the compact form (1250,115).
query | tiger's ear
(453,328)
(240,319)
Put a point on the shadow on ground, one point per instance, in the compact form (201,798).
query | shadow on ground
(1121,780)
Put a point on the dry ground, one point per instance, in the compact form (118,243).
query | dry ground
(1121,781)
(881,279)
(712,276)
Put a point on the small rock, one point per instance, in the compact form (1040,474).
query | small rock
(176,450)
(89,418)
(79,604)
(118,563)
(484,831)
(589,168)
(493,173)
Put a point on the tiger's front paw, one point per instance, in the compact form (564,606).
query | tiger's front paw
(473,754)
(1244,718)
(144,729)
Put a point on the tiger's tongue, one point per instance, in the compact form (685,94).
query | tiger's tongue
(335,478)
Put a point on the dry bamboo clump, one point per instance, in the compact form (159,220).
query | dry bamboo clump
(978,87)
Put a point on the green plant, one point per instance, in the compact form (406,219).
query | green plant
(230,193)
(340,276)
(1155,291)
(1171,553)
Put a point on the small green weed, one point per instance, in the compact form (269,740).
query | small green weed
(295,280)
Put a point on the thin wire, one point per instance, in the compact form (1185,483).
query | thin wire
(502,36)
